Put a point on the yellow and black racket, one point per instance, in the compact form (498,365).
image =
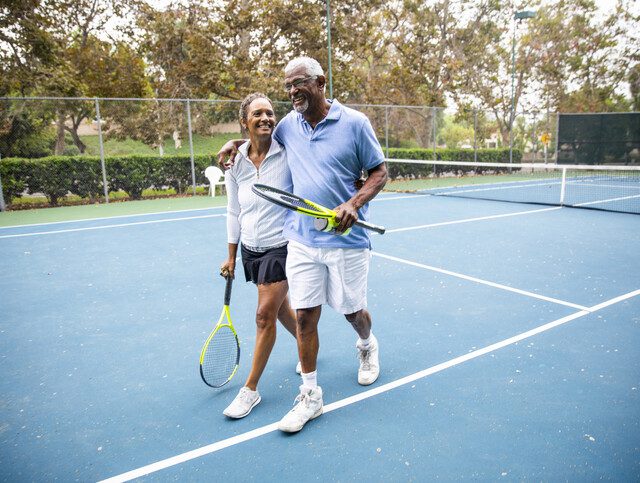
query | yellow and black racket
(221,352)
(306,207)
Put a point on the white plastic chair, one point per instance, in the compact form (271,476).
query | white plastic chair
(215,177)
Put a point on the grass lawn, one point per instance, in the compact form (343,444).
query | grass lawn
(201,145)
(102,210)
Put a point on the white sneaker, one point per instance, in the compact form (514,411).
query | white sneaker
(369,369)
(299,368)
(308,405)
(242,405)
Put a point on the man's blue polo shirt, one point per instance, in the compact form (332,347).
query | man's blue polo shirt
(325,162)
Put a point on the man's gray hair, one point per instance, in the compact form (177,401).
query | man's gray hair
(311,66)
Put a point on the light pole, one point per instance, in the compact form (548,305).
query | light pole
(329,48)
(519,16)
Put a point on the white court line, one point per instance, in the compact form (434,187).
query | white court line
(479,280)
(70,230)
(606,201)
(101,218)
(103,227)
(393,198)
(225,443)
(489,217)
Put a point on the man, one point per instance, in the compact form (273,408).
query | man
(328,145)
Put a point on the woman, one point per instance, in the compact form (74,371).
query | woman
(258,224)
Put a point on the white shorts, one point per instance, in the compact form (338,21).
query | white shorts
(334,276)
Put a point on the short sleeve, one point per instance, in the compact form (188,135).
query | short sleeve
(369,151)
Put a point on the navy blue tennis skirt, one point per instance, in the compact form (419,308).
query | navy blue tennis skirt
(264,267)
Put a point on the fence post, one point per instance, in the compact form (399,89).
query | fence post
(475,135)
(386,129)
(557,143)
(3,207)
(193,166)
(512,119)
(102,163)
(433,115)
(534,140)
(546,130)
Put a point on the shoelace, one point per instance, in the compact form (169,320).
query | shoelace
(245,396)
(364,359)
(301,399)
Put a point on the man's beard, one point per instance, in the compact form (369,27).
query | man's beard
(301,108)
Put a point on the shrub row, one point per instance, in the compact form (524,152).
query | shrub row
(56,176)
(404,170)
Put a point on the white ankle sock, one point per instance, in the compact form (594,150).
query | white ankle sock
(310,379)
(364,343)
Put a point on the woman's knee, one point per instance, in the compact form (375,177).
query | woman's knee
(265,318)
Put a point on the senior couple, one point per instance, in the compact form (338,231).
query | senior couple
(318,151)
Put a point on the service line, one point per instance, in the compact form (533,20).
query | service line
(481,281)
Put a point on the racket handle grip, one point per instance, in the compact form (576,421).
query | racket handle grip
(371,226)
(227,290)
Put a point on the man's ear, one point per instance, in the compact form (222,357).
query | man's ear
(321,81)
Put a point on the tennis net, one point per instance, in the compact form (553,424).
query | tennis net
(611,188)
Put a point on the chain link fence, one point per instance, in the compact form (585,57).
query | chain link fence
(59,151)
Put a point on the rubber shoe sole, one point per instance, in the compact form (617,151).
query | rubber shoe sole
(257,401)
(295,429)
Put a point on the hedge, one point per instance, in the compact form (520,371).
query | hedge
(400,170)
(56,176)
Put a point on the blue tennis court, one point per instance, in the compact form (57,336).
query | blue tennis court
(509,346)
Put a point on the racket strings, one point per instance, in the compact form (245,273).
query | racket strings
(299,203)
(221,357)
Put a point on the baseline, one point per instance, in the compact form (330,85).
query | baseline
(119,225)
(469,220)
(101,218)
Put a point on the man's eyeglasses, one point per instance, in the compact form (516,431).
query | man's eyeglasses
(299,82)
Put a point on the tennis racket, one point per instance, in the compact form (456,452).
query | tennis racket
(221,352)
(306,207)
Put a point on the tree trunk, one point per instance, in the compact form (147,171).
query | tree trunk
(59,148)
(76,139)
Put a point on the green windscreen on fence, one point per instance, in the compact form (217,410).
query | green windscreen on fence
(605,138)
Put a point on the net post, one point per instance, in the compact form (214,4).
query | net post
(3,206)
(563,185)
(386,129)
(103,167)
(193,167)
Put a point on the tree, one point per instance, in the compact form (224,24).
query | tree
(582,60)
(28,50)
(102,70)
